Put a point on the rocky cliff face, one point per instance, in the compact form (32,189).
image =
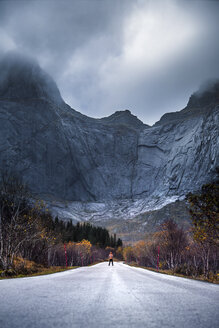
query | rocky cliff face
(64,155)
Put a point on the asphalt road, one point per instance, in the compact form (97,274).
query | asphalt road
(102,296)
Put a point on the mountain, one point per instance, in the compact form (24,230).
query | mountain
(124,117)
(23,79)
(114,167)
(200,103)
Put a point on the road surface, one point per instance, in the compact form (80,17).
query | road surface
(103,296)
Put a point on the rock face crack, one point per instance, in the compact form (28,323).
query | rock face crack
(151,146)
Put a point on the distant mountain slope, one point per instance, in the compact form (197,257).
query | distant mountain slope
(64,155)
(134,229)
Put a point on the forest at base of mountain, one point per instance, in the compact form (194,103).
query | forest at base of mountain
(27,230)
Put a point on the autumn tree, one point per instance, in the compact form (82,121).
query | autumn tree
(84,251)
(119,253)
(172,240)
(128,254)
(140,252)
(204,211)
(20,223)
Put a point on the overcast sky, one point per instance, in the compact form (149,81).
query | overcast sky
(108,55)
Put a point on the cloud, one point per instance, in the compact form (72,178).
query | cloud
(146,56)
(7,44)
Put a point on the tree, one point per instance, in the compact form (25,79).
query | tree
(20,223)
(84,251)
(119,243)
(140,252)
(119,253)
(128,254)
(204,211)
(172,241)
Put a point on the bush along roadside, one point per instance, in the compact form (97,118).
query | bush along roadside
(213,278)
(25,268)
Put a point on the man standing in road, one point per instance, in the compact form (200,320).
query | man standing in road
(110,258)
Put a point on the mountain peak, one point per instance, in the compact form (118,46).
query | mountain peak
(123,112)
(124,117)
(200,102)
(22,79)
(208,94)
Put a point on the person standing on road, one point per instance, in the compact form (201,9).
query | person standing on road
(110,258)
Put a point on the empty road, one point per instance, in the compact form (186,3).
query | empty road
(102,296)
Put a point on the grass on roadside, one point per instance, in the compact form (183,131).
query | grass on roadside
(44,271)
(25,268)
(213,278)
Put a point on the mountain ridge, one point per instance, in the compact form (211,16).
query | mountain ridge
(63,154)
(124,117)
(16,68)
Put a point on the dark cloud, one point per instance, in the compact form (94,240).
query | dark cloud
(146,56)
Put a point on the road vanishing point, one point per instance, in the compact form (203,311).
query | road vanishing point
(103,296)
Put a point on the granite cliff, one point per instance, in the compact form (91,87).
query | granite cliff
(65,156)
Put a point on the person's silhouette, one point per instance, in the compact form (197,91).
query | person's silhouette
(110,258)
